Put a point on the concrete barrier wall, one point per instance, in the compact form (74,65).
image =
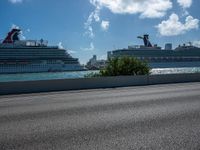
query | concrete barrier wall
(173,78)
(92,83)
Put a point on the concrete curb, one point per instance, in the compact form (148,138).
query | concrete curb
(93,83)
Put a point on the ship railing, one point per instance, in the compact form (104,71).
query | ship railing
(133,46)
(31,43)
(36,42)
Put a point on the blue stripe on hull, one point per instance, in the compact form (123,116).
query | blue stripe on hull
(40,68)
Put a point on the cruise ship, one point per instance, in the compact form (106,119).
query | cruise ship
(185,55)
(30,56)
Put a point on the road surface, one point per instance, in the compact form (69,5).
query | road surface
(133,118)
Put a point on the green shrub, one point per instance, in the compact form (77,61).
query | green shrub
(121,66)
(92,74)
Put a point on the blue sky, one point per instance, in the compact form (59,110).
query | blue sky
(88,27)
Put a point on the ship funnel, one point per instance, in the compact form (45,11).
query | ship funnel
(145,38)
(12,36)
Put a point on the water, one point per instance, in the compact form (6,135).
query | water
(81,74)
(175,70)
(43,76)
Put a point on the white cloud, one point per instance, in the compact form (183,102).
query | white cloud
(185,13)
(28,30)
(60,46)
(15,1)
(173,26)
(94,16)
(91,48)
(105,25)
(14,26)
(21,36)
(146,8)
(72,52)
(89,31)
(185,3)
(196,43)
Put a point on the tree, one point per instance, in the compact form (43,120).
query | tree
(125,66)
(121,66)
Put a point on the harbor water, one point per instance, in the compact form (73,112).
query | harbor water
(82,74)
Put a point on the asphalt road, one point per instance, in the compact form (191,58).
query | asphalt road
(143,118)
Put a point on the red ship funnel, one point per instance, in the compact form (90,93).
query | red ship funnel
(12,36)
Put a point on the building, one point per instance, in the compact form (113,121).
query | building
(94,64)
